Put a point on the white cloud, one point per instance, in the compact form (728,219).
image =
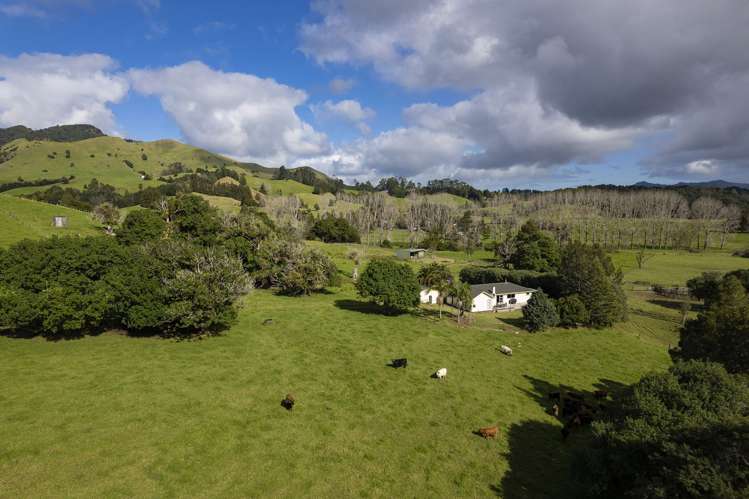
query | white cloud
(591,83)
(41,90)
(348,110)
(22,10)
(702,167)
(233,113)
(341,85)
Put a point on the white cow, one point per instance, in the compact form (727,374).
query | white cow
(506,350)
(441,373)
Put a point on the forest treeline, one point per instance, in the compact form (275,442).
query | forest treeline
(60,133)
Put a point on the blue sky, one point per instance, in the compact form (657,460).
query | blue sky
(426,89)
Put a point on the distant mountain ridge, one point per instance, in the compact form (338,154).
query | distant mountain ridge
(306,174)
(708,184)
(60,133)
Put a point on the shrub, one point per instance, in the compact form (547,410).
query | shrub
(141,226)
(540,313)
(572,311)
(309,271)
(195,219)
(334,229)
(390,284)
(682,434)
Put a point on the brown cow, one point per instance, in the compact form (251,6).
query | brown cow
(489,432)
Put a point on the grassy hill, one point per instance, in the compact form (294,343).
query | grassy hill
(109,159)
(23,218)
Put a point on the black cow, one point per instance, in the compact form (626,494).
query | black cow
(555,396)
(288,402)
(399,363)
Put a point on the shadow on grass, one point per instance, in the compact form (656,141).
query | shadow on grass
(540,460)
(517,322)
(366,307)
(674,304)
(539,463)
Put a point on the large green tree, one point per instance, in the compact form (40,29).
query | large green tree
(534,250)
(589,273)
(540,313)
(679,434)
(390,284)
(721,332)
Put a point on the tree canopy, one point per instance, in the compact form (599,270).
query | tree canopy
(390,284)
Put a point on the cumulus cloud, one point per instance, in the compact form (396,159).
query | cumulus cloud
(233,113)
(341,85)
(595,78)
(41,90)
(702,167)
(348,110)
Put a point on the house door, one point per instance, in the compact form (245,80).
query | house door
(430,299)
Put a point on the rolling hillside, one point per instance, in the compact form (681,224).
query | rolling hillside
(24,218)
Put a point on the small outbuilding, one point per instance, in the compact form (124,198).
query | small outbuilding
(410,253)
(496,297)
(59,221)
(430,296)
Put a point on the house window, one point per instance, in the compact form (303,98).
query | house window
(430,299)
(511,296)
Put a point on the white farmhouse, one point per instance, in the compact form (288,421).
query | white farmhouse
(429,296)
(496,296)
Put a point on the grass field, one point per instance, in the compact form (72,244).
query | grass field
(115,416)
(23,218)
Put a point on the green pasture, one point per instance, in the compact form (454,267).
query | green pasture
(23,218)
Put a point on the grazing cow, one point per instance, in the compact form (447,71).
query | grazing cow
(506,350)
(267,322)
(555,396)
(399,363)
(576,396)
(441,373)
(554,410)
(288,402)
(600,394)
(489,432)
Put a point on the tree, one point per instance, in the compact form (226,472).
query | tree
(540,313)
(572,311)
(641,257)
(310,271)
(390,284)
(140,226)
(334,229)
(108,215)
(681,434)
(590,274)
(436,276)
(704,287)
(461,292)
(534,249)
(720,333)
(195,219)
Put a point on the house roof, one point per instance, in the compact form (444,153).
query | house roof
(502,288)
